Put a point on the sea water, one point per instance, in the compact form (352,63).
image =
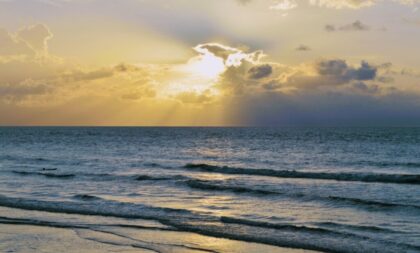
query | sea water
(326,189)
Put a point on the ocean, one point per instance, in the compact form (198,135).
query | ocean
(224,189)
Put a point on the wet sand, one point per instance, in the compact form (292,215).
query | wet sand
(34,231)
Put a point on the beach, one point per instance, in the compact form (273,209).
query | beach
(209,190)
(24,231)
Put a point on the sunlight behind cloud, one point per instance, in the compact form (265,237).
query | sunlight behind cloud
(160,66)
(207,66)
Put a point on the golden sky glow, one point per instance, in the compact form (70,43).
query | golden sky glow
(230,62)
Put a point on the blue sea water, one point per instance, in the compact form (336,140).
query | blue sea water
(326,189)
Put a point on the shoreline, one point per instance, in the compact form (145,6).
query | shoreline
(37,231)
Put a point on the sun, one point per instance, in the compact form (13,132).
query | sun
(207,66)
(199,75)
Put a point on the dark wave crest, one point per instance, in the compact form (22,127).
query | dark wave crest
(45,174)
(373,229)
(158,178)
(50,173)
(86,197)
(387,164)
(209,185)
(366,202)
(281,226)
(360,177)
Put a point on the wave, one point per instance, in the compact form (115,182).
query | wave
(18,221)
(340,235)
(214,185)
(45,174)
(360,177)
(373,229)
(319,227)
(44,223)
(86,197)
(50,173)
(147,178)
(286,235)
(387,164)
(282,226)
(49,169)
(371,202)
(153,165)
(158,178)
(103,208)
(26,159)
(96,176)
(209,185)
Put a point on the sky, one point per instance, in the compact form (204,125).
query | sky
(210,63)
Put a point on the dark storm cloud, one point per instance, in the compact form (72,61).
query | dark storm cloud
(365,89)
(260,71)
(364,72)
(343,73)
(312,108)
(333,73)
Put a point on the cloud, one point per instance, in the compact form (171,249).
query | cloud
(330,28)
(335,4)
(312,108)
(24,59)
(342,72)
(325,92)
(77,75)
(303,48)
(139,93)
(28,41)
(333,73)
(260,71)
(250,79)
(231,56)
(338,4)
(234,85)
(355,26)
(243,2)
(36,37)
(412,21)
(30,75)
(13,46)
(284,5)
(272,85)
(17,92)
(190,97)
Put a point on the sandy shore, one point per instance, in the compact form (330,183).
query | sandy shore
(33,231)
